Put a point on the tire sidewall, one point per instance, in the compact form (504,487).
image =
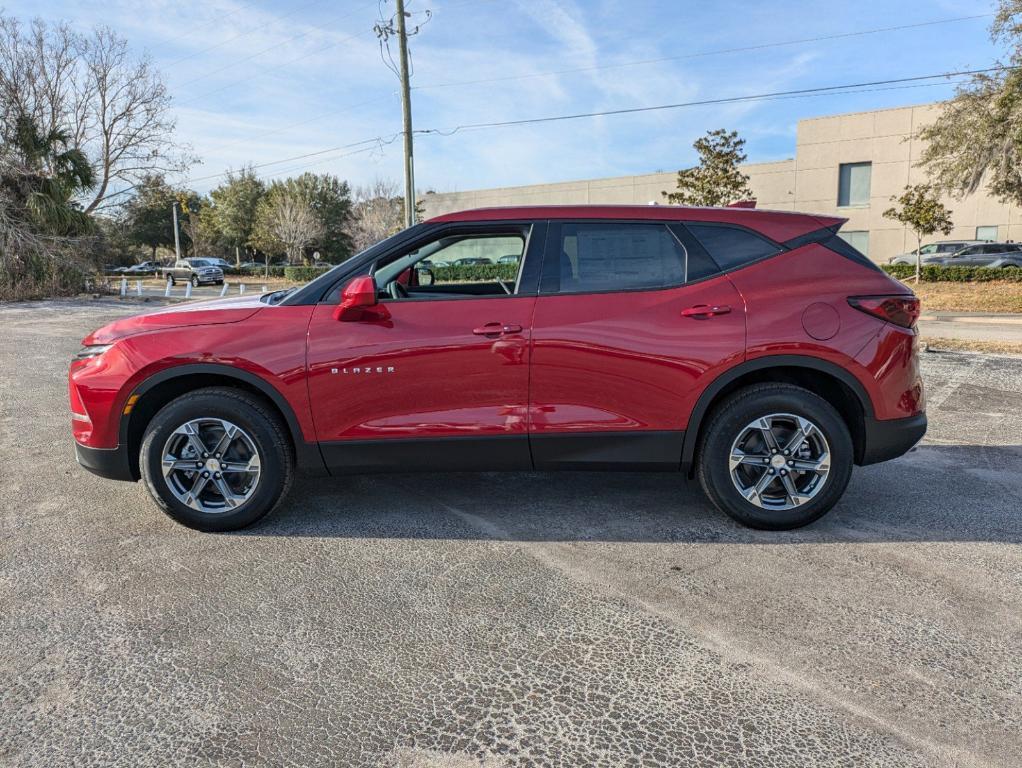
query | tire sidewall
(738,413)
(272,458)
(195,281)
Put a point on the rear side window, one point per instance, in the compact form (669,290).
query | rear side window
(732,247)
(594,257)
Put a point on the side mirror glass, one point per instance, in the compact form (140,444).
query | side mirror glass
(357,297)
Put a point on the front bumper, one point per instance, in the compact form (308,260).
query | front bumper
(111,463)
(890,438)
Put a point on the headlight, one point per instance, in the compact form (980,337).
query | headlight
(91,351)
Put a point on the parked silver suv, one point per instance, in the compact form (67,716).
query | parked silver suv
(983,255)
(932,250)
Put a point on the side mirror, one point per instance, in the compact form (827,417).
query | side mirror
(359,295)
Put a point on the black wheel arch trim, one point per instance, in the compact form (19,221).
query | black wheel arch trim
(715,387)
(308,457)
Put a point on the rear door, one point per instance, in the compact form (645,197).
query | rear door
(631,318)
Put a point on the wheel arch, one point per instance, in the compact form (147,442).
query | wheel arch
(831,382)
(163,386)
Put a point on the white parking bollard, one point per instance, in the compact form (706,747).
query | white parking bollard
(166,292)
(124,286)
(263,290)
(138,287)
(241,289)
(188,290)
(223,291)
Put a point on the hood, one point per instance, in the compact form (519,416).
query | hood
(215,311)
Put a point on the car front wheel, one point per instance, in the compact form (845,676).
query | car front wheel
(170,279)
(195,281)
(775,456)
(216,459)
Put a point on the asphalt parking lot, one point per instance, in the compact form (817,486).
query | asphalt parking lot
(503,620)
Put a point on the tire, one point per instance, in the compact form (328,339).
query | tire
(815,491)
(170,279)
(258,427)
(195,281)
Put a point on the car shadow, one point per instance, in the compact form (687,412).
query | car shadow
(935,493)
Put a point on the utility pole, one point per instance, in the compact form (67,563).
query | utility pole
(406,112)
(177,237)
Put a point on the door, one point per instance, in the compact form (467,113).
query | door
(437,376)
(630,318)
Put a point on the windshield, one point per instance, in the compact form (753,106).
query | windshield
(201,263)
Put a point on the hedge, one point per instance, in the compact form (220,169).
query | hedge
(475,273)
(935,274)
(303,274)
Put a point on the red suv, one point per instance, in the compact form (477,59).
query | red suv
(756,350)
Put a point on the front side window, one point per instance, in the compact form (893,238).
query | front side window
(597,257)
(455,266)
(854,184)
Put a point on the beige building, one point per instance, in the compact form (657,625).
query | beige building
(848,165)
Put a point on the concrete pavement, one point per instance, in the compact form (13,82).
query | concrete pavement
(495,620)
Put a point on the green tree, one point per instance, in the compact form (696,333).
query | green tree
(232,210)
(919,209)
(977,137)
(330,199)
(148,216)
(43,175)
(717,180)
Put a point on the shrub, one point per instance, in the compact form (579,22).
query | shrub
(301,274)
(935,274)
(475,273)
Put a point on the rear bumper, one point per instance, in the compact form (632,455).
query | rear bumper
(111,463)
(891,438)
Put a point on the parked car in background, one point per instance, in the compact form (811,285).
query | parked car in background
(943,248)
(224,264)
(993,255)
(755,350)
(470,261)
(196,271)
(143,268)
(511,258)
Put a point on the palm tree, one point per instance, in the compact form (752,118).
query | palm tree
(49,174)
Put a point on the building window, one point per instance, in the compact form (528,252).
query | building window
(853,183)
(986,233)
(858,240)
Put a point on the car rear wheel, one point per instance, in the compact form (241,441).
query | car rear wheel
(775,456)
(216,459)
(195,281)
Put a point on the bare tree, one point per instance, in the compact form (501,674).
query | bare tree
(292,221)
(377,212)
(113,105)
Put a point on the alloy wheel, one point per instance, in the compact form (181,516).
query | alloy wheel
(211,465)
(780,461)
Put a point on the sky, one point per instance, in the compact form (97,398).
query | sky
(266,80)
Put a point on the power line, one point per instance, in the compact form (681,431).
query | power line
(276,45)
(709,102)
(242,34)
(702,54)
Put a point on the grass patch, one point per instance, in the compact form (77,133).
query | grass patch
(994,296)
(937,343)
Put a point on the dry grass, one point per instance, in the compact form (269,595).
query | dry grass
(968,345)
(969,297)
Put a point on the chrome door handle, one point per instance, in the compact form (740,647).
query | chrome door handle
(705,310)
(497,329)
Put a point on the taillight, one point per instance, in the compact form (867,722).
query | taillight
(900,310)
